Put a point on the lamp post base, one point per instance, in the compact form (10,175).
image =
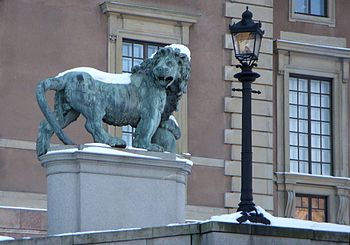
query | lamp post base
(253,217)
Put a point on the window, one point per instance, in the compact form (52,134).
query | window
(321,12)
(311,7)
(310,125)
(135,21)
(310,207)
(134,52)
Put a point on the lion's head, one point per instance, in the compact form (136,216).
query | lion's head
(169,67)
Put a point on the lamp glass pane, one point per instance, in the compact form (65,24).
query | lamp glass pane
(257,45)
(244,43)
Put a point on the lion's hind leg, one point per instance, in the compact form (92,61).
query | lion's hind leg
(45,131)
(95,128)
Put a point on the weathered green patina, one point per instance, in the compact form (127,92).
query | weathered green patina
(145,103)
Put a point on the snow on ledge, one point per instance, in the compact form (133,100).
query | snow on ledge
(6,238)
(23,208)
(100,149)
(285,222)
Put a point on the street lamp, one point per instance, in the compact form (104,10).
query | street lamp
(247,36)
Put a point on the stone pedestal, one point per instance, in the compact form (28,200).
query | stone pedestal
(100,188)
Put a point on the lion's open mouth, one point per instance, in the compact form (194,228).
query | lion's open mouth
(166,79)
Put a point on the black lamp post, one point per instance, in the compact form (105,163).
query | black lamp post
(247,36)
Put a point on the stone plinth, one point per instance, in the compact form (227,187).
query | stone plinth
(98,188)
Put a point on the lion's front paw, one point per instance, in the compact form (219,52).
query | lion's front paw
(155,147)
(117,142)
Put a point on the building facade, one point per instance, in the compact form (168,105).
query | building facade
(300,120)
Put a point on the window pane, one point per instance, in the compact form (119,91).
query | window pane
(316,155)
(293,111)
(151,50)
(321,203)
(303,85)
(138,50)
(305,202)
(303,113)
(303,140)
(304,167)
(293,125)
(326,169)
(315,141)
(315,100)
(302,98)
(315,86)
(318,215)
(326,128)
(294,166)
(298,201)
(316,168)
(315,127)
(127,49)
(325,101)
(303,153)
(293,97)
(325,115)
(293,152)
(293,83)
(293,138)
(301,213)
(326,156)
(318,7)
(325,87)
(326,142)
(314,203)
(127,64)
(315,113)
(301,6)
(303,126)
(137,62)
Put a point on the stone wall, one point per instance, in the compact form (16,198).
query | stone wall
(17,222)
(210,233)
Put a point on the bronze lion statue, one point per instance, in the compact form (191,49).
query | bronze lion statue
(143,102)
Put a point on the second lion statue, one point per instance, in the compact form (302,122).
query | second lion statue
(140,102)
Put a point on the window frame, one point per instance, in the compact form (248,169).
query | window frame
(309,121)
(328,20)
(310,197)
(309,11)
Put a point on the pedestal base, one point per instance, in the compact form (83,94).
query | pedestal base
(97,188)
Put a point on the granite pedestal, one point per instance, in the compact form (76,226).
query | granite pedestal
(93,188)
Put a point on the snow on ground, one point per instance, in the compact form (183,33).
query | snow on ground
(102,76)
(285,222)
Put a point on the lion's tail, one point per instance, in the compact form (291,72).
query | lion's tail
(56,84)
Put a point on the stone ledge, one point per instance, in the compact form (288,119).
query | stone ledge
(190,231)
